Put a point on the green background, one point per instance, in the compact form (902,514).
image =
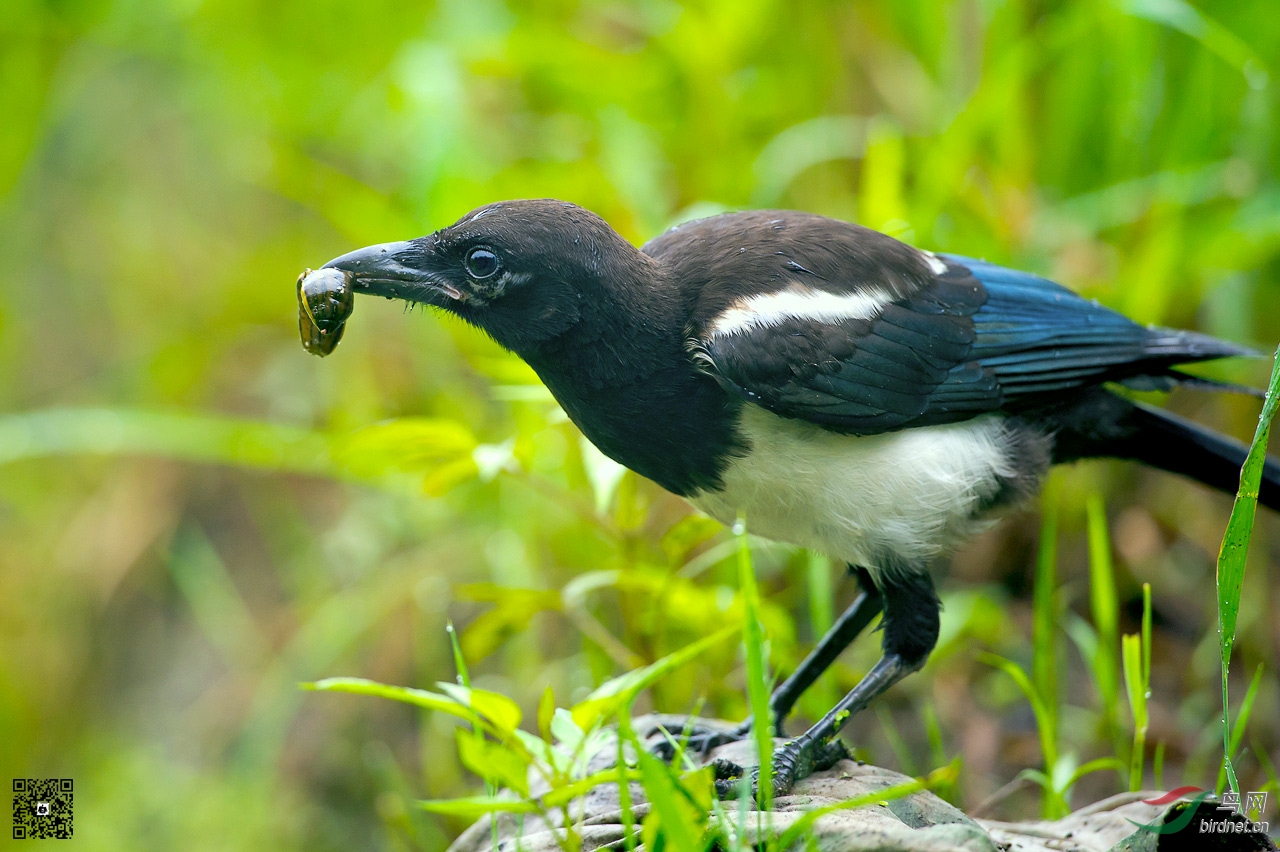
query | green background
(168,168)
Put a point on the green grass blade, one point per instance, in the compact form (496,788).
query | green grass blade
(1146,634)
(897,743)
(1101,764)
(1041,688)
(1044,635)
(821,600)
(459,662)
(933,730)
(1218,39)
(1106,612)
(753,641)
(1048,745)
(1235,550)
(1241,723)
(1136,688)
(1268,770)
(624,797)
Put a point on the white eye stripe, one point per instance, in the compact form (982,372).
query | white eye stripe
(772,309)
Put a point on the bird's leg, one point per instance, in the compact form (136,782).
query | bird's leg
(910,627)
(847,627)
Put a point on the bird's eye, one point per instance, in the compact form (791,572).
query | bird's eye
(482,263)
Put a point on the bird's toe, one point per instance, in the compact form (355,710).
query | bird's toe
(792,762)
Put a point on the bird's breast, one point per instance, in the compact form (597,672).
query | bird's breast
(673,425)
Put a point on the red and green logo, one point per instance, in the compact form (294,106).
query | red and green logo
(1184,818)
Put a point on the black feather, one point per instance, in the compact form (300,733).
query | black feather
(977,338)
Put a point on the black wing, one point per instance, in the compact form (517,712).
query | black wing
(975,338)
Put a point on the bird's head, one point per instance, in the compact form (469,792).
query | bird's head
(524,271)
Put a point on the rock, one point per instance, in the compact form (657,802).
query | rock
(920,822)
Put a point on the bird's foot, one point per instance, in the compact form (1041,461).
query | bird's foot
(792,762)
(696,739)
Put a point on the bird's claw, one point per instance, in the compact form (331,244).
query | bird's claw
(696,739)
(792,762)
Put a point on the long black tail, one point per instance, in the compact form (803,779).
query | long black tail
(1106,425)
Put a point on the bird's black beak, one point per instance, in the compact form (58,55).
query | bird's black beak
(395,271)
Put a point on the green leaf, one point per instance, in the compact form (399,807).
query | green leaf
(437,451)
(415,444)
(565,729)
(405,694)
(604,474)
(563,795)
(543,753)
(494,762)
(474,807)
(497,708)
(618,692)
(1235,543)
(686,534)
(515,609)
(546,712)
(675,815)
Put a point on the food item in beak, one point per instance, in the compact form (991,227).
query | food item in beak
(325,302)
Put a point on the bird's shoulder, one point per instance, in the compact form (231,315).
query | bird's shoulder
(821,319)
(719,261)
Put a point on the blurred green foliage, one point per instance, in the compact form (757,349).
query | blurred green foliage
(168,168)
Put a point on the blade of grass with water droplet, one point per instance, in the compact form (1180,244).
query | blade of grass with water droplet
(1235,551)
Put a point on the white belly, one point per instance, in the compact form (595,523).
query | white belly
(878,501)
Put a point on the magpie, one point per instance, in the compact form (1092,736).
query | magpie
(839,389)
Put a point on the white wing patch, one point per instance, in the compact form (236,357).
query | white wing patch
(936,265)
(803,303)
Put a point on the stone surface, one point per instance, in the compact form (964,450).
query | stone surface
(921,822)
